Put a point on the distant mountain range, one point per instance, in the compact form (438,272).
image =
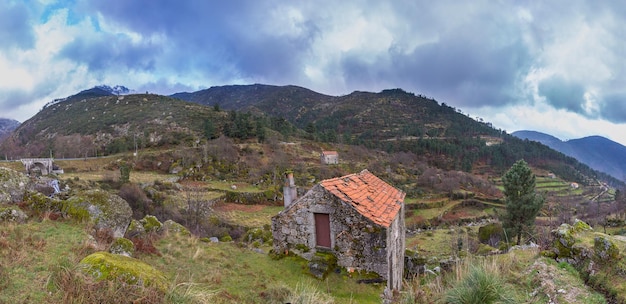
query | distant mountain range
(597,152)
(7,126)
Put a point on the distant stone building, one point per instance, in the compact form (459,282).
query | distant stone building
(358,217)
(329,157)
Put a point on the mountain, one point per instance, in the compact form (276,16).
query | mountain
(389,114)
(390,121)
(110,123)
(597,152)
(97,91)
(394,120)
(7,126)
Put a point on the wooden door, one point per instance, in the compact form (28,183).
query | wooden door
(322,230)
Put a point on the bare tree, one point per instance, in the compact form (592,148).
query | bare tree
(197,208)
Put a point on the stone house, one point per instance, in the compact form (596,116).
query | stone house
(358,217)
(329,157)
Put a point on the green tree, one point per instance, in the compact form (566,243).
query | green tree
(209,129)
(522,203)
(124,173)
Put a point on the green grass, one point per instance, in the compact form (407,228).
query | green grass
(249,216)
(28,251)
(240,275)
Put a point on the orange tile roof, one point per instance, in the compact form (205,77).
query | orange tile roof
(368,194)
(330,153)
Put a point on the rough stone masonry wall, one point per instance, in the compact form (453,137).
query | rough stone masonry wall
(397,244)
(355,240)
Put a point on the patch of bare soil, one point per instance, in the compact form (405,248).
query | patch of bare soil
(554,284)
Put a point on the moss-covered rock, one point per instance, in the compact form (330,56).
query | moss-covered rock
(41,203)
(122,246)
(13,186)
(174,227)
(226,238)
(135,229)
(151,223)
(580,226)
(484,249)
(12,214)
(104,210)
(257,234)
(414,264)
(106,266)
(605,251)
(491,234)
(322,264)
(564,241)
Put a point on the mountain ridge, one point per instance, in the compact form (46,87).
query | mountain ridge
(600,153)
(392,120)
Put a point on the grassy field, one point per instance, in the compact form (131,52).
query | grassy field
(236,274)
(28,253)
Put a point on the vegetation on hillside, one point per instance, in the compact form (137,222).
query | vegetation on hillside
(219,171)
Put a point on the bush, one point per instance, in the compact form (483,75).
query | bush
(478,287)
(136,199)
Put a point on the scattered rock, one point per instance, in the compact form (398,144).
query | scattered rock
(174,227)
(151,223)
(12,214)
(135,229)
(605,250)
(122,246)
(322,264)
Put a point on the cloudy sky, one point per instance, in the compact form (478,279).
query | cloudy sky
(552,66)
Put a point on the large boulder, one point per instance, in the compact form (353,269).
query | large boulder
(103,209)
(107,266)
(13,186)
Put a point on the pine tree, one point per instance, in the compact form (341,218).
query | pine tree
(522,203)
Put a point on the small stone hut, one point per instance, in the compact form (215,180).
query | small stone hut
(358,217)
(329,157)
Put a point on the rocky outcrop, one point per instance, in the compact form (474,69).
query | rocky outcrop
(13,186)
(12,214)
(596,255)
(107,266)
(104,210)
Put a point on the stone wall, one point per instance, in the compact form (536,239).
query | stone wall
(356,241)
(395,254)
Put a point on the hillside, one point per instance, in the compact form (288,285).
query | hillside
(392,120)
(597,152)
(397,121)
(110,124)
(7,126)
(220,173)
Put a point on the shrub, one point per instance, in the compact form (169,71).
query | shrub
(305,294)
(479,287)
(136,199)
